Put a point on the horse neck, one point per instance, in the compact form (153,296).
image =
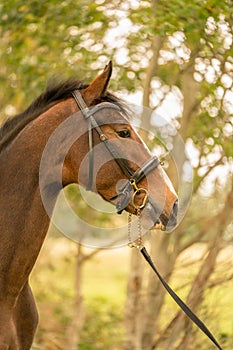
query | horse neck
(21,159)
(24,221)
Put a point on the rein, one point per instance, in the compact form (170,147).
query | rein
(125,195)
(139,245)
(179,301)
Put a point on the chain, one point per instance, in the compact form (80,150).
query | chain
(138,242)
(129,228)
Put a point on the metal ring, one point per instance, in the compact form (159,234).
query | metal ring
(141,206)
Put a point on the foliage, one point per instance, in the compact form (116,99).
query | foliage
(42,38)
(105,333)
(203,42)
(159,47)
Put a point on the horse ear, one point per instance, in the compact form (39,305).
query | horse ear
(98,86)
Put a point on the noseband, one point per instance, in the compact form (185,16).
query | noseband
(133,178)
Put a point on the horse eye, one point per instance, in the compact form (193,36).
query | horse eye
(124,133)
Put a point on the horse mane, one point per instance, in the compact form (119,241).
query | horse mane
(55,91)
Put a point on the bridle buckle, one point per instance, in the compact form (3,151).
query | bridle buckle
(134,185)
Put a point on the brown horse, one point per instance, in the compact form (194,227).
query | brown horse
(24,220)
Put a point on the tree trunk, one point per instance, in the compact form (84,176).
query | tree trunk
(189,89)
(134,305)
(78,309)
(155,291)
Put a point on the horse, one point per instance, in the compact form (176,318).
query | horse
(124,167)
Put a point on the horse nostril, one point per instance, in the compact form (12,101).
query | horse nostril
(175,208)
(173,217)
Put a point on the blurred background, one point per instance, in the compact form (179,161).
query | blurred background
(176,58)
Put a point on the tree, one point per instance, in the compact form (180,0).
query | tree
(191,58)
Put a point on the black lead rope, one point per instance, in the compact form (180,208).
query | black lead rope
(177,299)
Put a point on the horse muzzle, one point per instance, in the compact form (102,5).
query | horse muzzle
(154,217)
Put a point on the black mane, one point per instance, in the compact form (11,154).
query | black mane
(55,92)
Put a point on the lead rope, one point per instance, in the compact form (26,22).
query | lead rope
(138,243)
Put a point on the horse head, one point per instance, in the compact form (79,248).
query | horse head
(119,166)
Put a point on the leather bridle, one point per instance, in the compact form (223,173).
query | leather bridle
(133,178)
(124,195)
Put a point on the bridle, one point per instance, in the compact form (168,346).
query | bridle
(133,178)
(124,194)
